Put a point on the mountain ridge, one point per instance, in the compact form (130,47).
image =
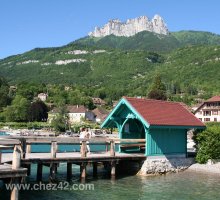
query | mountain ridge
(131,27)
(125,70)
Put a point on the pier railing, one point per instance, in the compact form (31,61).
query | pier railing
(23,144)
(109,143)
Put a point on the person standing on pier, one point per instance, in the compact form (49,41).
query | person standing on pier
(85,134)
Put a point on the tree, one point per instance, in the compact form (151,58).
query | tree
(60,122)
(158,89)
(208,144)
(4,93)
(18,110)
(38,111)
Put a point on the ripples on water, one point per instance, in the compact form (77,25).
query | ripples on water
(181,186)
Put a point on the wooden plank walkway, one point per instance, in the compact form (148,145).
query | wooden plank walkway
(73,157)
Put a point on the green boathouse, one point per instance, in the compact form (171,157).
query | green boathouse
(163,124)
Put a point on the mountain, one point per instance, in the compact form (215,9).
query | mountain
(123,65)
(131,27)
(141,41)
(197,38)
(118,71)
(152,41)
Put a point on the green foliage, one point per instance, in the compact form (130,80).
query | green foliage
(208,144)
(196,38)
(158,89)
(29,125)
(142,41)
(4,93)
(38,111)
(128,69)
(60,122)
(18,111)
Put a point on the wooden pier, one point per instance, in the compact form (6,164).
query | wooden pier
(23,156)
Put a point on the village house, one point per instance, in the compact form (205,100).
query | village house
(209,110)
(100,114)
(76,114)
(98,101)
(42,96)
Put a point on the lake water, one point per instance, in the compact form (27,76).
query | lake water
(3,133)
(181,186)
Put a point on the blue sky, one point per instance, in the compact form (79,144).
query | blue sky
(26,24)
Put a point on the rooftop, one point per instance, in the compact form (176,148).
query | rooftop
(163,113)
(214,99)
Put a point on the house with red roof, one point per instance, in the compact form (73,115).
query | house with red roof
(162,124)
(209,110)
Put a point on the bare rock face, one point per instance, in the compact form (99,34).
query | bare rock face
(131,27)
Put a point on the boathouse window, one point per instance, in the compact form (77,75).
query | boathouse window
(126,128)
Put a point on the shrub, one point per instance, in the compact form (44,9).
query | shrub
(208,144)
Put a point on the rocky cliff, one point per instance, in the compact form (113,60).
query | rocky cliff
(131,27)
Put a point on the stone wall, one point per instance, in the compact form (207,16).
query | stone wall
(163,165)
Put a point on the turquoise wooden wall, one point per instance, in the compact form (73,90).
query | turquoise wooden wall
(166,141)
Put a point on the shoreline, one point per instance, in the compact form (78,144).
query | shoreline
(205,168)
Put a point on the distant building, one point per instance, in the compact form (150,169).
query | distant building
(67,88)
(114,103)
(100,114)
(209,111)
(13,88)
(42,96)
(98,101)
(76,114)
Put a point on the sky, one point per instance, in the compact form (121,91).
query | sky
(27,24)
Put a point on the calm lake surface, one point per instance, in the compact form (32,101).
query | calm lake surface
(182,186)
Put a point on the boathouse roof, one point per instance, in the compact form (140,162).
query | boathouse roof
(158,113)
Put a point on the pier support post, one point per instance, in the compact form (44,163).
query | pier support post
(69,171)
(113,169)
(53,166)
(53,149)
(28,166)
(53,171)
(39,171)
(28,148)
(83,171)
(94,169)
(0,157)
(23,147)
(15,191)
(16,163)
(112,148)
(83,149)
